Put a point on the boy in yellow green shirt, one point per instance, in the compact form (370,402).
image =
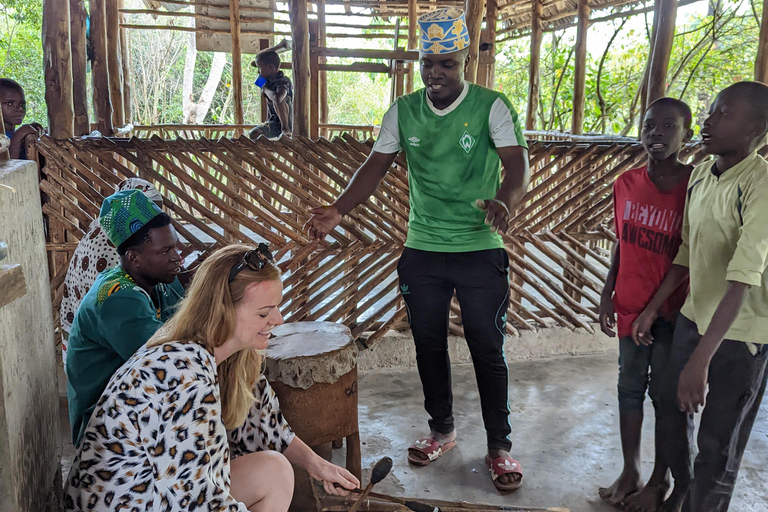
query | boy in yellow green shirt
(721,335)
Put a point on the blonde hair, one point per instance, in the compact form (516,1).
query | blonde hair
(206,316)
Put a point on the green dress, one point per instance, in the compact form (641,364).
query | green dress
(115,318)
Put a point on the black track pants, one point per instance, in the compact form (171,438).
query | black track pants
(481,281)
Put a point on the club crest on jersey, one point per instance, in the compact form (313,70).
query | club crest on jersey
(414,141)
(467,142)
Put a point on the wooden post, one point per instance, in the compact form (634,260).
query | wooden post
(301,73)
(263,45)
(57,61)
(115,63)
(322,76)
(580,70)
(126,59)
(474,16)
(534,73)
(314,94)
(79,65)
(662,49)
(487,62)
(413,44)
(237,65)
(102,104)
(761,63)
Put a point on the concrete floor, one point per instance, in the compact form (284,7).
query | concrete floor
(565,434)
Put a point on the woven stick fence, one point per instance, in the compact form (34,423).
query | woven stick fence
(240,190)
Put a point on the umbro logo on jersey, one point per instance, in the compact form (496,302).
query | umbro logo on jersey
(467,142)
(414,141)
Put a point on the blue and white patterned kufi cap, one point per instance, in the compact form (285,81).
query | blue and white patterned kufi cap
(443,31)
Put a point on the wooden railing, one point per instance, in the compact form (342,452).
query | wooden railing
(219,191)
(216,131)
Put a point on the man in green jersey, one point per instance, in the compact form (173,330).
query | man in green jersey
(126,304)
(455,135)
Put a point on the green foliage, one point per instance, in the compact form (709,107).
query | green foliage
(709,53)
(21,52)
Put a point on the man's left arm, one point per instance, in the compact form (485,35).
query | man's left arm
(507,135)
(744,271)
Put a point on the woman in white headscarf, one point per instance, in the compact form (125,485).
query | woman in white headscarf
(94,254)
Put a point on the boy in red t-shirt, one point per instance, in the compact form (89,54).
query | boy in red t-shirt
(648,210)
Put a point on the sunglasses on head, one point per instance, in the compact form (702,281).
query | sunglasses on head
(255,259)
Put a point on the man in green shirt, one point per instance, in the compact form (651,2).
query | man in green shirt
(456,136)
(126,304)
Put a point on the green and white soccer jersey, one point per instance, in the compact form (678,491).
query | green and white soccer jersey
(452,162)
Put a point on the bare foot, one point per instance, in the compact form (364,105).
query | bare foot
(627,484)
(509,478)
(675,501)
(647,499)
(437,436)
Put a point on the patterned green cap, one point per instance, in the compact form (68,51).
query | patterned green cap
(124,213)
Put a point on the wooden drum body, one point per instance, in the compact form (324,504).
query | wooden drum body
(312,366)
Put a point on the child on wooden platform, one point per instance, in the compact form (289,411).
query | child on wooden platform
(14,109)
(721,334)
(278,90)
(648,208)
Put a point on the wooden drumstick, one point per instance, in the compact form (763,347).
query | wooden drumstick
(380,470)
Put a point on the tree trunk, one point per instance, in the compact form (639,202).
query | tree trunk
(301,73)
(534,74)
(102,103)
(79,66)
(57,61)
(761,63)
(474,10)
(126,58)
(413,44)
(237,64)
(662,49)
(580,69)
(115,63)
(195,111)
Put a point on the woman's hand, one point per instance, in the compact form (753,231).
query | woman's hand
(330,475)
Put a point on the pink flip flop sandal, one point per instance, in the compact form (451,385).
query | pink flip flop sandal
(430,448)
(505,466)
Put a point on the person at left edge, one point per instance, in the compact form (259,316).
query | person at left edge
(126,304)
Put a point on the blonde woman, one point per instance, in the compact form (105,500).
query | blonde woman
(189,423)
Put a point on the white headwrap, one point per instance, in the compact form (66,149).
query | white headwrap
(146,187)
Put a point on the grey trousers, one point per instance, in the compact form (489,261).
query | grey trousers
(737,379)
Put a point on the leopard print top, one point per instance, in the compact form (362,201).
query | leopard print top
(156,441)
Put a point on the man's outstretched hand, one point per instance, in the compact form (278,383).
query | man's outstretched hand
(496,214)
(323,221)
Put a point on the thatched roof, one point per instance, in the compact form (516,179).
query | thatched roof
(514,15)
